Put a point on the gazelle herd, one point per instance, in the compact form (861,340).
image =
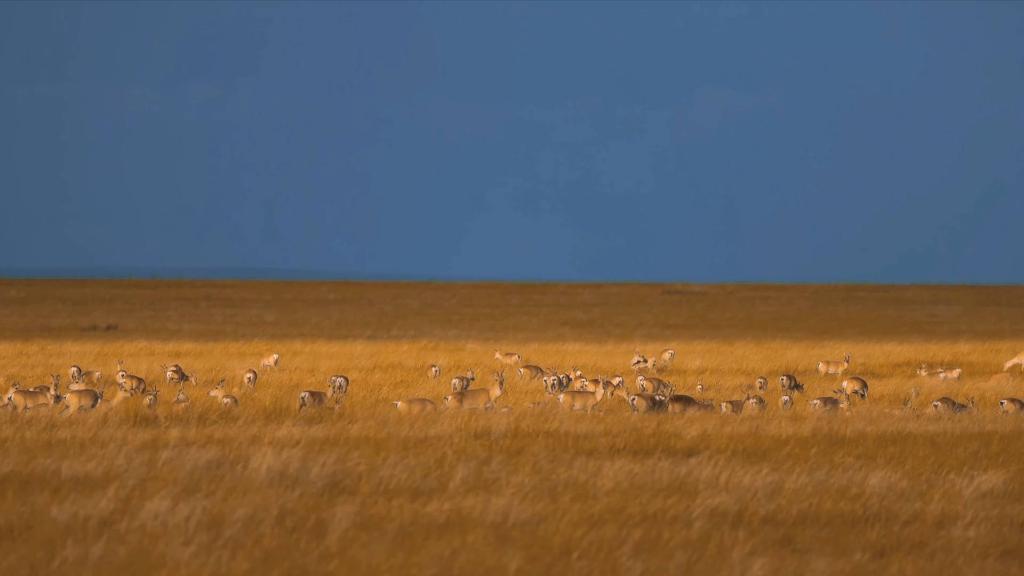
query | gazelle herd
(570,390)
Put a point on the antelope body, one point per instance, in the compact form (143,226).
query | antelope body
(477,397)
(249,378)
(339,385)
(1017,360)
(507,357)
(834,366)
(435,371)
(655,385)
(681,403)
(81,399)
(530,371)
(789,384)
(270,361)
(1011,405)
(415,406)
(855,386)
(947,405)
(829,403)
(226,400)
(643,402)
(78,376)
(130,382)
(462,383)
(582,401)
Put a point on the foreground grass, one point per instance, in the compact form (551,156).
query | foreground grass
(882,489)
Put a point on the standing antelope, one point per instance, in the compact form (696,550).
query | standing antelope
(761,384)
(830,403)
(643,402)
(270,361)
(640,362)
(1017,360)
(176,375)
(582,401)
(249,378)
(681,403)
(415,406)
(530,371)
(81,399)
(181,401)
(435,371)
(655,385)
(1011,405)
(786,402)
(339,385)
(950,406)
(756,403)
(25,400)
(150,399)
(462,383)
(789,383)
(666,358)
(130,382)
(733,406)
(478,397)
(855,386)
(79,376)
(836,367)
(509,358)
(226,400)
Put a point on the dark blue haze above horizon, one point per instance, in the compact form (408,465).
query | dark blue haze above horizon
(704,142)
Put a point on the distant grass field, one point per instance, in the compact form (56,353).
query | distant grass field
(882,489)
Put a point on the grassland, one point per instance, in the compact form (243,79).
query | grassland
(264,490)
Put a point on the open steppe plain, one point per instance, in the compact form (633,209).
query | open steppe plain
(882,489)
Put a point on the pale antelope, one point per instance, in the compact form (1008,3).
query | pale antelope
(52,388)
(953,374)
(249,378)
(79,376)
(509,358)
(584,384)
(836,367)
(435,371)
(681,403)
(582,401)
(666,358)
(700,387)
(462,383)
(761,384)
(947,405)
(415,406)
(312,399)
(643,402)
(1017,360)
(25,400)
(640,362)
(654,385)
(270,361)
(756,403)
(830,403)
(478,397)
(925,370)
(530,372)
(339,385)
(226,400)
(81,399)
(176,375)
(786,402)
(1011,406)
(789,383)
(150,399)
(130,382)
(855,386)
(553,385)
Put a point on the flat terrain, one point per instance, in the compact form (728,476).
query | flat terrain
(887,488)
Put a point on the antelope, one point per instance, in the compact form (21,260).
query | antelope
(666,357)
(789,383)
(530,371)
(924,370)
(249,378)
(181,401)
(700,387)
(582,401)
(82,398)
(786,402)
(150,399)
(129,381)
(836,367)
(583,384)
(953,374)
(948,405)
(479,397)
(435,371)
(339,385)
(553,385)
(756,403)
(855,386)
(681,403)
(1011,405)
(175,374)
(53,387)
(643,402)
(226,400)
(1017,360)
(415,406)
(761,384)
(270,361)
(25,400)
(640,362)
(655,385)
(79,376)
(312,399)
(733,406)
(509,358)
(462,383)
(830,403)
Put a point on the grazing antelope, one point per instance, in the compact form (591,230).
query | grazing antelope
(1017,360)
(150,399)
(462,383)
(953,374)
(681,403)
(130,382)
(478,397)
(830,403)
(530,372)
(415,406)
(855,386)
(226,400)
(509,358)
(435,371)
(312,399)
(176,375)
(249,378)
(789,384)
(25,400)
(761,384)
(947,405)
(79,376)
(836,367)
(582,401)
(655,385)
(270,361)
(786,402)
(80,399)
(339,385)
(1011,405)
(643,402)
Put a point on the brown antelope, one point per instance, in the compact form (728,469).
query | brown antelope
(181,401)
(640,363)
(79,376)
(313,399)
(462,383)
(415,406)
(836,367)
(226,400)
(1011,406)
(552,385)
(338,385)
(733,406)
(953,374)
(789,384)
(435,371)
(855,386)
(509,358)
(830,403)
(150,399)
(270,361)
(681,403)
(756,403)
(130,382)
(52,388)
(176,375)
(582,401)
(786,402)
(530,372)
(666,357)
(761,384)
(1017,360)
(643,402)
(249,378)
(654,385)
(81,399)
(477,398)
(25,400)
(947,405)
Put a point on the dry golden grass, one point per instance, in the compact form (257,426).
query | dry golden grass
(363,489)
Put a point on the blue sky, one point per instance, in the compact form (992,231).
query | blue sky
(708,142)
